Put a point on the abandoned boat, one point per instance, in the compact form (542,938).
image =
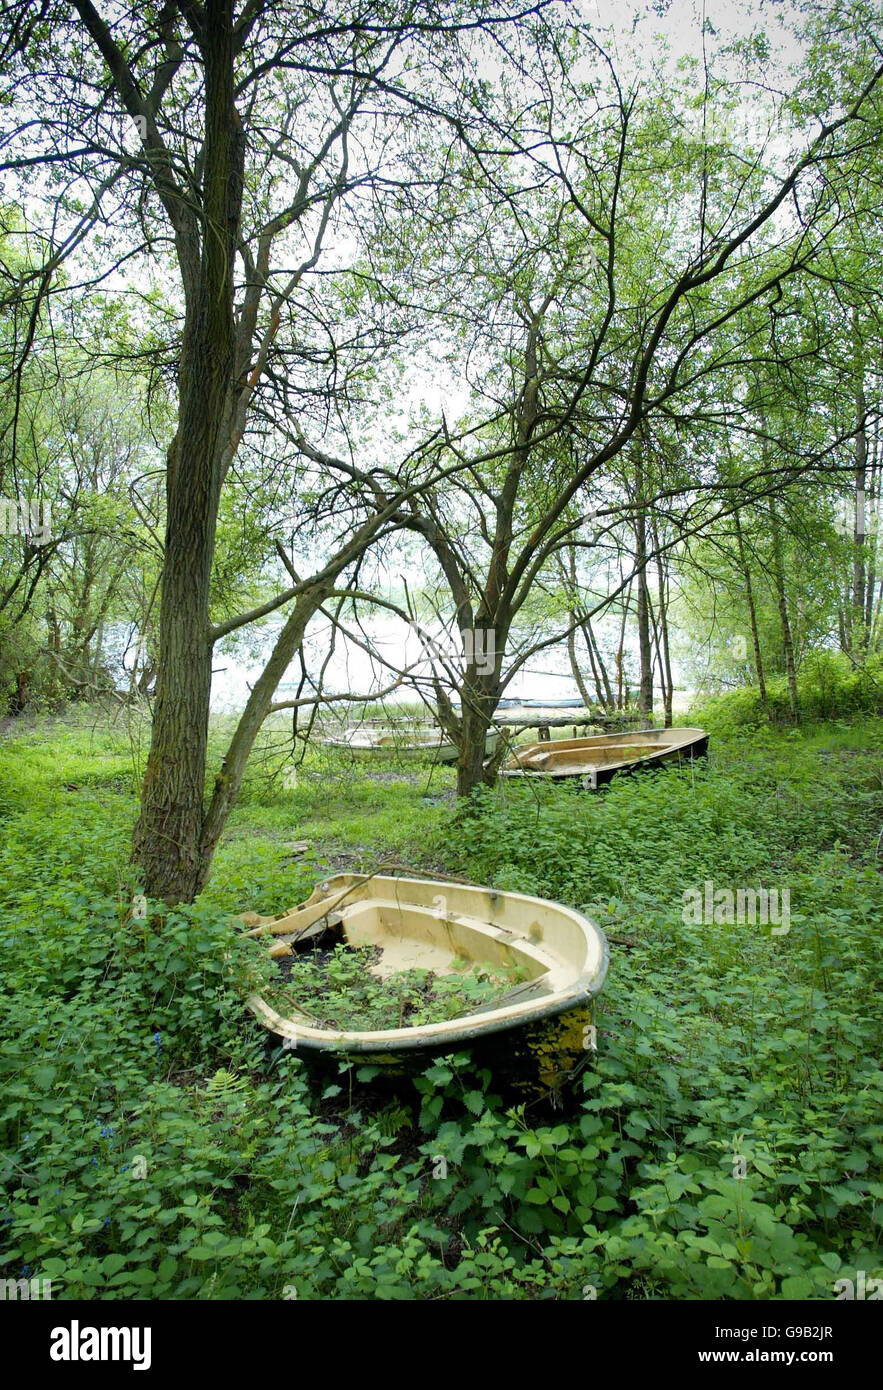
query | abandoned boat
(537,1033)
(596,759)
(406,741)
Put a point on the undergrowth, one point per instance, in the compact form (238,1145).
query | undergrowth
(725,1141)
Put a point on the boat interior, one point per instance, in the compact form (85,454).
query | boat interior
(575,755)
(445,928)
(611,755)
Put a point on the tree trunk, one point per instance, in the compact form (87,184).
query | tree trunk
(661,628)
(571,634)
(621,687)
(645,648)
(479,696)
(167,842)
(574,663)
(873,526)
(229,779)
(859,632)
(600,674)
(782,601)
(665,649)
(752,612)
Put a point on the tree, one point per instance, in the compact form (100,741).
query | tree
(672,306)
(230,136)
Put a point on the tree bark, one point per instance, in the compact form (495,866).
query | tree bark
(574,618)
(784,619)
(662,639)
(622,694)
(752,612)
(645,648)
(574,663)
(873,528)
(858,624)
(167,842)
(229,780)
(479,695)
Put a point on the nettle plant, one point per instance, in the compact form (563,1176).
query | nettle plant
(725,1141)
(337,989)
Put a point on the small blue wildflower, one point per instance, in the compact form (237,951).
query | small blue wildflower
(107,1220)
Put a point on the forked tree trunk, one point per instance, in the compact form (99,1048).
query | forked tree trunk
(580,620)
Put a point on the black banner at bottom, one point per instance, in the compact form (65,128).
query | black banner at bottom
(89,1340)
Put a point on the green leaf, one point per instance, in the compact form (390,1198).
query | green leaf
(797,1286)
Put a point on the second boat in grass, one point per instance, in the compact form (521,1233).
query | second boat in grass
(597,759)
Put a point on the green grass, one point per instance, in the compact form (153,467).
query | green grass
(725,1142)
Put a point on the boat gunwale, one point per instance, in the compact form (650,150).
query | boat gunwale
(653,754)
(450,1031)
